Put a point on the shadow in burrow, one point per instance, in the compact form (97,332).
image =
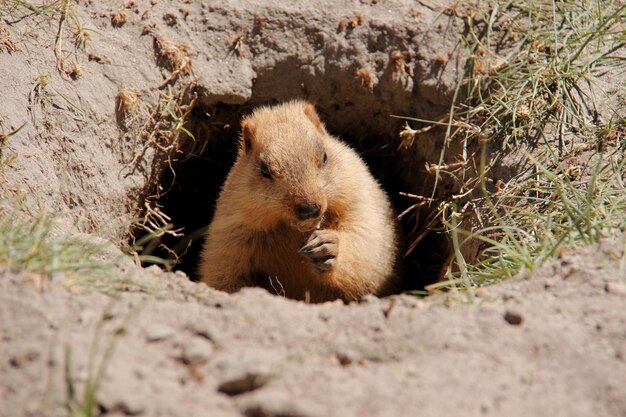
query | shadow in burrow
(189,187)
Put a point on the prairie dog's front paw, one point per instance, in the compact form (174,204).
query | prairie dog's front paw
(321,248)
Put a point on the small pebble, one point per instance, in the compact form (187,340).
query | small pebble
(158,332)
(513,317)
(346,357)
(197,351)
(248,382)
(615,287)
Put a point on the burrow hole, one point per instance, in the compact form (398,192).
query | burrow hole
(190,186)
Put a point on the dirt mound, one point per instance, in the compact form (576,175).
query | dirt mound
(547,346)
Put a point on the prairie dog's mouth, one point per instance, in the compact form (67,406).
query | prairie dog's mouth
(308,225)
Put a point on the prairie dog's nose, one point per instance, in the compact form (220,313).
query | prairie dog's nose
(305,211)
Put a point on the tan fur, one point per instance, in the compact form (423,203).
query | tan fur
(255,237)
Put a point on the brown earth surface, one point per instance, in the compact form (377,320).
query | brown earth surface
(553,344)
(147,342)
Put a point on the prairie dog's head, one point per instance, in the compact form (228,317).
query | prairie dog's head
(285,156)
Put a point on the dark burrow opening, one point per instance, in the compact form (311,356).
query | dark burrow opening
(190,187)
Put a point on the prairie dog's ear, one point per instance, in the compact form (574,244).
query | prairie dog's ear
(311,113)
(248,128)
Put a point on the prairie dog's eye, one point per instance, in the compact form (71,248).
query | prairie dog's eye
(265,171)
(325,158)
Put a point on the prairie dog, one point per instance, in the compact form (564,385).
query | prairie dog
(300,214)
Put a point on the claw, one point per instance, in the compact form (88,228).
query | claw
(321,249)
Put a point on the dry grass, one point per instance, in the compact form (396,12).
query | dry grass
(173,56)
(34,244)
(163,129)
(366,77)
(41,18)
(6,42)
(129,108)
(119,18)
(530,92)
(163,136)
(85,404)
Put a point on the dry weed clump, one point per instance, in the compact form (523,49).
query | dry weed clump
(46,14)
(74,71)
(119,18)
(350,23)
(170,19)
(128,107)
(173,56)
(159,138)
(81,37)
(366,77)
(163,132)
(6,43)
(238,44)
(57,14)
(401,68)
(148,234)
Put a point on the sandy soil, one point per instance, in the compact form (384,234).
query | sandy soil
(147,342)
(550,345)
